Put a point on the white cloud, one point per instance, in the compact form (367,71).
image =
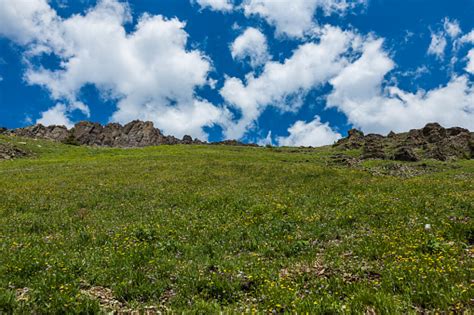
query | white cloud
(437,45)
(314,133)
(216,5)
(57,115)
(452,28)
(284,84)
(251,44)
(470,63)
(24,20)
(149,71)
(359,93)
(295,18)
(467,38)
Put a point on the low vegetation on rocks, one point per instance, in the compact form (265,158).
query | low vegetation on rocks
(431,142)
(208,229)
(9,151)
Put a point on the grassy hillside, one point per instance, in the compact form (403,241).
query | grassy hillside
(208,229)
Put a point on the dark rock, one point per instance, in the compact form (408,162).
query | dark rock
(373,150)
(187,139)
(432,141)
(355,133)
(59,133)
(436,153)
(451,132)
(3,130)
(87,133)
(433,132)
(354,140)
(414,138)
(141,134)
(8,152)
(405,154)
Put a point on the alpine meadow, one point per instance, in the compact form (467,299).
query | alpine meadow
(236,157)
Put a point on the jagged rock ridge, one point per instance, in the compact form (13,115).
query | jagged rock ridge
(134,134)
(432,141)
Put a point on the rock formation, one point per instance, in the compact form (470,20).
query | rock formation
(134,134)
(432,141)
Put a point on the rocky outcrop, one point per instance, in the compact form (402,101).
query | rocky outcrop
(373,147)
(354,140)
(134,134)
(432,141)
(405,154)
(8,152)
(58,133)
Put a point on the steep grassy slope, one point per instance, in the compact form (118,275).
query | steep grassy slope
(208,229)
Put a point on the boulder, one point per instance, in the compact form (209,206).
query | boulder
(58,133)
(88,133)
(433,132)
(405,154)
(187,139)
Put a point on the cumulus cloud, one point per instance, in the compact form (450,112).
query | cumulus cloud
(314,133)
(251,44)
(24,20)
(284,84)
(57,115)
(359,92)
(216,5)
(295,18)
(149,71)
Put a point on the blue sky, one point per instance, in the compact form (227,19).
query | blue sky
(298,72)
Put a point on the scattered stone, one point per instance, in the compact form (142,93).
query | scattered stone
(105,298)
(22,295)
(345,160)
(234,143)
(8,152)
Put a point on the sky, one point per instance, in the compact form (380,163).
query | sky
(280,72)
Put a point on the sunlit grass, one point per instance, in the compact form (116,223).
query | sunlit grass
(209,229)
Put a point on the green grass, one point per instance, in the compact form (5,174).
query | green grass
(206,229)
